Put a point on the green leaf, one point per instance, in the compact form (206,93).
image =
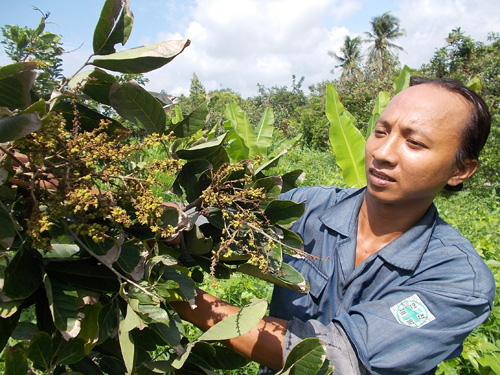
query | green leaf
(138,106)
(15,361)
(88,119)
(127,346)
(85,274)
(196,243)
(242,127)
(68,352)
(347,142)
(287,277)
(238,324)
(193,122)
(107,321)
(18,126)
(292,179)
(402,81)
(381,102)
(23,275)
(16,81)
(7,228)
(98,84)
(62,251)
(265,130)
(475,84)
(236,148)
(7,326)
(193,179)
(122,30)
(64,304)
(283,212)
(305,358)
(110,29)
(142,59)
(270,163)
(40,350)
(290,240)
(492,361)
(130,256)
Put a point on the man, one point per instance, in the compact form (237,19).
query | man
(395,290)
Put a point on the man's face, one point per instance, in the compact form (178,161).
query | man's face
(410,154)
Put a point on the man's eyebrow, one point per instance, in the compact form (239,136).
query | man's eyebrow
(382,121)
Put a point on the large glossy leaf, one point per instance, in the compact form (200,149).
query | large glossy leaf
(142,59)
(7,326)
(23,275)
(238,324)
(15,361)
(107,321)
(191,123)
(283,212)
(196,243)
(96,84)
(85,274)
(236,148)
(88,119)
(64,303)
(127,346)
(16,81)
(217,357)
(130,256)
(202,150)
(114,26)
(306,358)
(381,102)
(291,241)
(243,129)
(347,142)
(68,352)
(40,350)
(7,229)
(15,127)
(402,81)
(137,105)
(264,131)
(292,180)
(287,276)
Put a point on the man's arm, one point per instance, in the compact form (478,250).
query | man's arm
(263,344)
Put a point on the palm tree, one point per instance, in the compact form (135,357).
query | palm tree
(351,58)
(385,29)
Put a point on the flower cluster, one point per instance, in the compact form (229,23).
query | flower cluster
(246,229)
(83,180)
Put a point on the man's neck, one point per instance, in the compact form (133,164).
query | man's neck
(380,223)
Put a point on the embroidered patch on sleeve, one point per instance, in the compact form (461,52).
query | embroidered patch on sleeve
(412,312)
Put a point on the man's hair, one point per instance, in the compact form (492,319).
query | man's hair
(477,128)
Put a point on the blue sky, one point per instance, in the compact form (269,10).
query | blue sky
(239,43)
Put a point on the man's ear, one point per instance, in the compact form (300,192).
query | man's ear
(463,171)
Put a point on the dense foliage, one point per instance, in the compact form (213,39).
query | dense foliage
(90,164)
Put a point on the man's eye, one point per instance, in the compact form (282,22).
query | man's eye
(415,143)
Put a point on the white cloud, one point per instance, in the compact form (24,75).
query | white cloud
(238,44)
(429,22)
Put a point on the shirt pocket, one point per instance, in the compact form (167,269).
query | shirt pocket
(316,272)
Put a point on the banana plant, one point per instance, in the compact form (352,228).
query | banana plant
(347,142)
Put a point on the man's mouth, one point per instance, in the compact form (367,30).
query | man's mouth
(381,176)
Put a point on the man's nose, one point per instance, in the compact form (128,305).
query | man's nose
(386,151)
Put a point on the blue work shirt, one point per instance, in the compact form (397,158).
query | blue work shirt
(405,309)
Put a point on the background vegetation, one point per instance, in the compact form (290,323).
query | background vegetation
(299,119)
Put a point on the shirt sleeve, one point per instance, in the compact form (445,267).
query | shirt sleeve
(338,347)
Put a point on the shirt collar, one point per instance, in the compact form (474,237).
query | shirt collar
(404,252)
